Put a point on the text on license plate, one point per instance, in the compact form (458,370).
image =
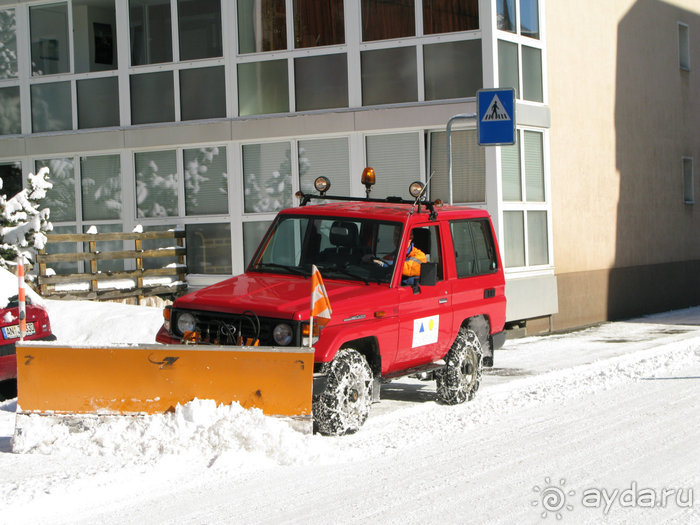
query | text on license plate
(12,332)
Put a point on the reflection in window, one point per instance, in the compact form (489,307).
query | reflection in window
(202,93)
(506,15)
(208,248)
(107,265)
(62,268)
(389,76)
(529,18)
(51,107)
(8,44)
(327,157)
(382,19)
(98,102)
(318,23)
(396,160)
(152,98)
(10,117)
(206,181)
(156,184)
(60,199)
(151,40)
(11,178)
(267,177)
(513,229)
(442,79)
(532,74)
(446,16)
(199,23)
(94,35)
(261,26)
(101,187)
(508,75)
(537,246)
(263,87)
(468,167)
(49,39)
(321,82)
(253,232)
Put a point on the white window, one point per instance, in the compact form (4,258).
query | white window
(684,46)
(688,186)
(396,161)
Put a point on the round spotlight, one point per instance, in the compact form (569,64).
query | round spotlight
(322,184)
(415,189)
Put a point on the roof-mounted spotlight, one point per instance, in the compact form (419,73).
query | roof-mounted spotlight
(322,184)
(416,189)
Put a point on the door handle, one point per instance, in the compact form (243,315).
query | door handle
(442,301)
(489,293)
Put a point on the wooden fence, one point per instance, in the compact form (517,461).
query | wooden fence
(67,283)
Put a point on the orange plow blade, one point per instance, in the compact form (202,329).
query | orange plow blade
(56,379)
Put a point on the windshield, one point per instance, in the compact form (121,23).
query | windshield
(341,248)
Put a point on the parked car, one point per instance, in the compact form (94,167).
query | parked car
(38,324)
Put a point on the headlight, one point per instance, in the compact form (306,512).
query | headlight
(185,323)
(282,334)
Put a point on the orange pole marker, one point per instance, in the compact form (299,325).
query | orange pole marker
(60,379)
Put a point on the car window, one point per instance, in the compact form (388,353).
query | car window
(475,253)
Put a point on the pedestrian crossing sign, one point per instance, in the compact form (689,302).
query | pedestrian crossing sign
(496,117)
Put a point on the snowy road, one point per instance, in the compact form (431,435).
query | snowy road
(590,425)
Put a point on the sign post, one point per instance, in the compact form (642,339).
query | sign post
(495,119)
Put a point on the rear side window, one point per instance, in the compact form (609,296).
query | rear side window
(475,253)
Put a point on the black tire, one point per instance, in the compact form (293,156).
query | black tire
(343,406)
(459,379)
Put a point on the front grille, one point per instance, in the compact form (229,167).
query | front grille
(225,329)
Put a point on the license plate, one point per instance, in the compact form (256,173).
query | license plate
(12,332)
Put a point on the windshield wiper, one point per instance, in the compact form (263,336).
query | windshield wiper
(291,269)
(346,272)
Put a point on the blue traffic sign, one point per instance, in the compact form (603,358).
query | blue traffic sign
(495,120)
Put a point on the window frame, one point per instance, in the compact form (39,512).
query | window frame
(688,180)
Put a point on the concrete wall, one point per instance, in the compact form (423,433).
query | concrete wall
(623,116)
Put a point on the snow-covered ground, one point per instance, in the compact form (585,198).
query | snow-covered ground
(599,425)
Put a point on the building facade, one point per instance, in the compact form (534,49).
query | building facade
(210,114)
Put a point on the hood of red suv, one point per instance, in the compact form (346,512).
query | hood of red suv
(278,296)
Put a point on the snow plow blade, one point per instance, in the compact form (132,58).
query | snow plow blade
(151,379)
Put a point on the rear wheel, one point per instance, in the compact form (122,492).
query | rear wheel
(459,379)
(344,404)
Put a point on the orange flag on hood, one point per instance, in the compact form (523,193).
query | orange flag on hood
(320,305)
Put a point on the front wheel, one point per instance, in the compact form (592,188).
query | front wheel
(344,404)
(459,379)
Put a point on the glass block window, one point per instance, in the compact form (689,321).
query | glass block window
(48,25)
(150,32)
(468,167)
(98,102)
(10,117)
(514,233)
(51,107)
(202,93)
(318,23)
(383,19)
(396,161)
(152,98)
(101,187)
(8,44)
(267,177)
(327,157)
(208,248)
(321,82)
(199,25)
(11,178)
(262,26)
(156,183)
(442,79)
(60,199)
(263,87)
(206,181)
(253,232)
(389,76)
(446,16)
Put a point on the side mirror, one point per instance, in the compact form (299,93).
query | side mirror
(428,274)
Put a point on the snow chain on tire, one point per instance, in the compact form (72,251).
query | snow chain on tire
(344,405)
(459,379)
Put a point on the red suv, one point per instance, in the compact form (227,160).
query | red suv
(386,321)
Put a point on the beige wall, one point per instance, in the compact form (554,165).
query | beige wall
(623,116)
